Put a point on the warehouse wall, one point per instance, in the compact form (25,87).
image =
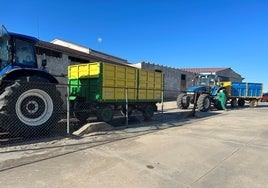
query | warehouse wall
(173,79)
(56,66)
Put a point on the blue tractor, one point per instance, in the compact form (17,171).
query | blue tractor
(203,92)
(29,100)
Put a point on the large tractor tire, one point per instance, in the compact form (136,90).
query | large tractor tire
(203,103)
(31,109)
(183,101)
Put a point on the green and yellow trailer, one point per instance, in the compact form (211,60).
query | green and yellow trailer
(102,88)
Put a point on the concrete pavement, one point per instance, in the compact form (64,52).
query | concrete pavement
(225,150)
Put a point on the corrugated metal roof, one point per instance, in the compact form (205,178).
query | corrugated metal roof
(204,70)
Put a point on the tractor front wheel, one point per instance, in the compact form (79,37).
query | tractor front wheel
(203,103)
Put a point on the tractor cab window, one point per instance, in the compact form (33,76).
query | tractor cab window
(207,81)
(203,80)
(25,55)
(211,82)
(5,53)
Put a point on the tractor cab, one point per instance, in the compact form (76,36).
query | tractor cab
(207,80)
(204,83)
(16,51)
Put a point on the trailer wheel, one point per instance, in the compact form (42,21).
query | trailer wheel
(183,101)
(148,111)
(203,103)
(254,103)
(241,102)
(105,113)
(31,109)
(81,112)
(234,103)
(81,116)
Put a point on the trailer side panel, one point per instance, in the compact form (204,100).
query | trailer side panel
(104,82)
(243,89)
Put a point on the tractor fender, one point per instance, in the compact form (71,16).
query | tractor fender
(16,73)
(215,90)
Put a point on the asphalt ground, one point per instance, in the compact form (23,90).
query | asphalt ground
(214,149)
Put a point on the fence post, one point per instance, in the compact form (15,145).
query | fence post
(195,104)
(126,107)
(68,110)
(162,106)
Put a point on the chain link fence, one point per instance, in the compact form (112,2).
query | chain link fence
(37,110)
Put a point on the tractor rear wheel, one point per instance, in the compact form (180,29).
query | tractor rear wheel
(183,101)
(203,103)
(31,109)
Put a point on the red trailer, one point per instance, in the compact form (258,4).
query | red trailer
(264,97)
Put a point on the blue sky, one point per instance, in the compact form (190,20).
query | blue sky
(174,33)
